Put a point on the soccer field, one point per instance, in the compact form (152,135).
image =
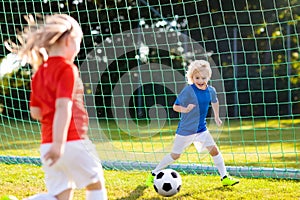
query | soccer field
(134,62)
(254,143)
(25,180)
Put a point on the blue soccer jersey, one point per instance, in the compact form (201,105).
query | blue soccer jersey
(194,121)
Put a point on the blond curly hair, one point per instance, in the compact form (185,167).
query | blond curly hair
(198,66)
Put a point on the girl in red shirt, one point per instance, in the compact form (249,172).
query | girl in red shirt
(69,158)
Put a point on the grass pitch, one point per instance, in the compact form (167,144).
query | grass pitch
(25,180)
(267,143)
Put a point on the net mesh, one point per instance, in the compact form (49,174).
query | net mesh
(133,60)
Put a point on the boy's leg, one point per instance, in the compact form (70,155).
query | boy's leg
(229,181)
(180,143)
(167,160)
(220,164)
(207,140)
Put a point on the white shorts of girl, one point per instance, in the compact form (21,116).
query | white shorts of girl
(78,167)
(200,140)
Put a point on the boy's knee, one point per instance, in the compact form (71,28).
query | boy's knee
(213,151)
(175,156)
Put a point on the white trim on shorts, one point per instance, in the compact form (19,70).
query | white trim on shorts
(78,167)
(200,140)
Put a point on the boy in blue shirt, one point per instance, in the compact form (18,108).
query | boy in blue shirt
(193,104)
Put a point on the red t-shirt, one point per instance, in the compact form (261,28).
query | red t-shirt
(59,78)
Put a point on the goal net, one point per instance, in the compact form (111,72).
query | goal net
(133,61)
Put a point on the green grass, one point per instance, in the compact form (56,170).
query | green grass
(25,180)
(258,143)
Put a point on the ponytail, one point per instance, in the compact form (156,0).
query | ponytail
(38,36)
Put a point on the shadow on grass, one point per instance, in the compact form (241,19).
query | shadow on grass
(135,194)
(139,190)
(222,189)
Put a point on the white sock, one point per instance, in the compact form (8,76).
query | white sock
(41,197)
(167,160)
(219,163)
(96,194)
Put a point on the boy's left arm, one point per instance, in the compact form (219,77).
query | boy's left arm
(215,107)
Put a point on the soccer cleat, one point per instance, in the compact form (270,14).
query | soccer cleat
(150,179)
(229,181)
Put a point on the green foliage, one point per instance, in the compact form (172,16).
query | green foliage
(18,79)
(14,93)
(267,40)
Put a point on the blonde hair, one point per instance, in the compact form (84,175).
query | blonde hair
(198,66)
(40,35)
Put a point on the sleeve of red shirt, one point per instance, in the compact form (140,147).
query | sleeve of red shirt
(66,82)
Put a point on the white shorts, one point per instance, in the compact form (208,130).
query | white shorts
(200,140)
(78,167)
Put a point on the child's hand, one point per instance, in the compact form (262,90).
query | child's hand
(190,107)
(54,153)
(218,121)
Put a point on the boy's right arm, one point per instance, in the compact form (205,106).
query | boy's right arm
(182,109)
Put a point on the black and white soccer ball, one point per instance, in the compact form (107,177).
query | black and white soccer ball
(167,182)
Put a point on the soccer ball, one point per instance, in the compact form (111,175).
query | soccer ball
(167,182)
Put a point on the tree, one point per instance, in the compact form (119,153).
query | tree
(261,69)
